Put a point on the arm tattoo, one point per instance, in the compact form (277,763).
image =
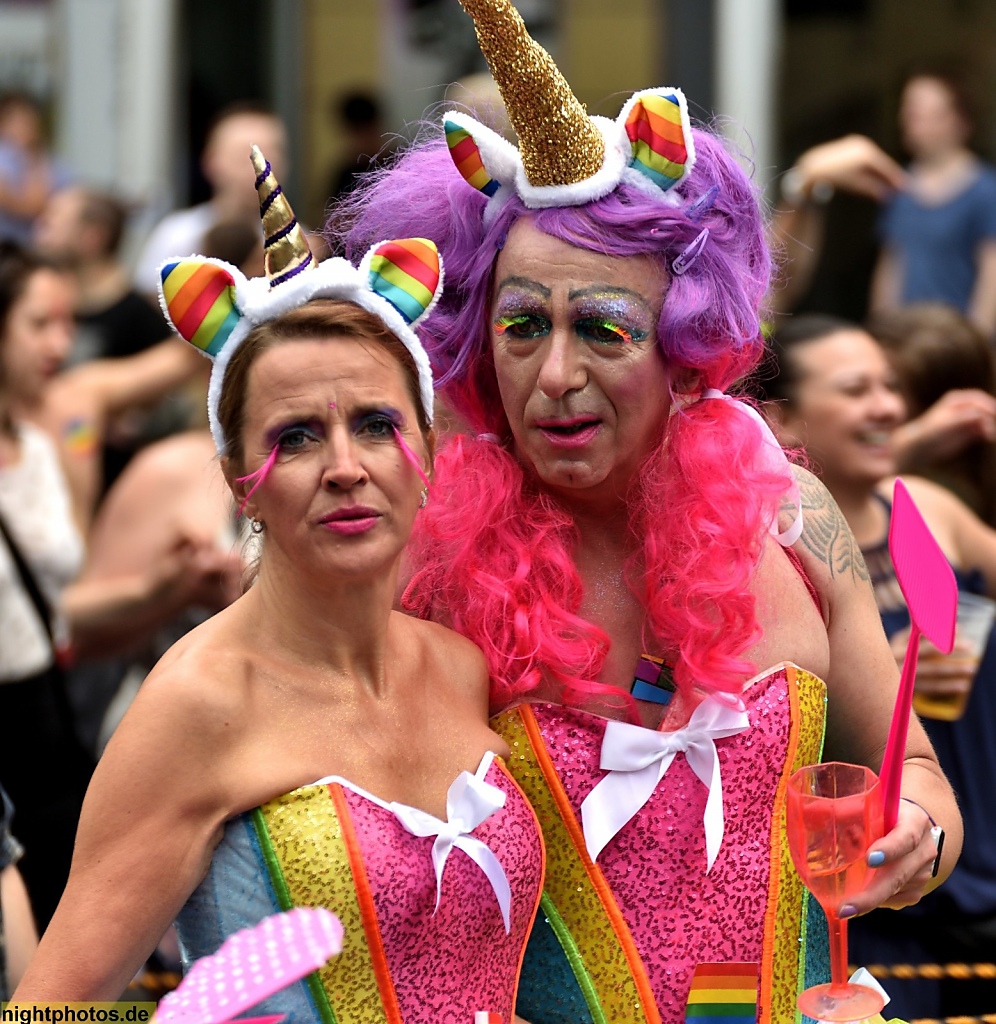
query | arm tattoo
(826,533)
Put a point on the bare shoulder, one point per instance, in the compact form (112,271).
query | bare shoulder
(77,389)
(827,547)
(448,655)
(199,686)
(177,458)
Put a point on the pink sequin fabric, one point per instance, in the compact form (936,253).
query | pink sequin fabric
(679,914)
(402,961)
(452,963)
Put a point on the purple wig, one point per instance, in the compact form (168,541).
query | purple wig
(699,508)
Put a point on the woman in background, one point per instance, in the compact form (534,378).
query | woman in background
(836,394)
(939,232)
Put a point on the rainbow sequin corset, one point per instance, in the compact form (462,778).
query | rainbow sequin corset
(646,932)
(419,946)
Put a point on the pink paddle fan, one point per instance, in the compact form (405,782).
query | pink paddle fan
(251,965)
(928,584)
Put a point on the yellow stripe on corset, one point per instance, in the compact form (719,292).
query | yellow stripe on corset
(783,963)
(602,938)
(314,847)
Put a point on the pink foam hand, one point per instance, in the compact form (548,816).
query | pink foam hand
(251,965)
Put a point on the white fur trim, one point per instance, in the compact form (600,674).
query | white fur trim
(235,339)
(499,156)
(336,278)
(503,162)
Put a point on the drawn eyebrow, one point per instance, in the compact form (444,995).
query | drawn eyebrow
(527,283)
(602,289)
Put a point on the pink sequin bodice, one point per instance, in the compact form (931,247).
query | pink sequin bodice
(424,938)
(457,958)
(674,912)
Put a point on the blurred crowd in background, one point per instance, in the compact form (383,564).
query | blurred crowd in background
(118,533)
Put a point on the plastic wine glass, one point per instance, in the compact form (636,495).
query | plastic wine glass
(834,813)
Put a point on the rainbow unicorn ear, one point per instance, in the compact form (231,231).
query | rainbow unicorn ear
(485,160)
(657,125)
(198,298)
(407,273)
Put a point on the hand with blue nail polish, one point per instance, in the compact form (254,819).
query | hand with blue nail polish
(903,860)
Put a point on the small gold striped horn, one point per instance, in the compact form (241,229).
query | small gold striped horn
(558,142)
(286,249)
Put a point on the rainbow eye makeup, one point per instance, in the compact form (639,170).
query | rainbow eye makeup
(521,325)
(607,331)
(612,318)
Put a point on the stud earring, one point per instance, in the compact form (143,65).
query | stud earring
(257,525)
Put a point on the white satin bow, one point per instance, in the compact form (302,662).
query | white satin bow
(774,459)
(637,759)
(469,801)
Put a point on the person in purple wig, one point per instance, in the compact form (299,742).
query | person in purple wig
(659,596)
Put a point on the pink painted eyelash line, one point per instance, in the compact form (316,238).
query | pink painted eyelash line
(258,476)
(410,456)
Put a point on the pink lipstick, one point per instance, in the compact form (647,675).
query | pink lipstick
(351,520)
(569,431)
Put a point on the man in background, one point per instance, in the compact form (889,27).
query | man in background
(226,166)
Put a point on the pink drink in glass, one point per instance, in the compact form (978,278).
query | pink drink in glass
(834,814)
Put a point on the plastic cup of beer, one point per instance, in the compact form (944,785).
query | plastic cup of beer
(975,622)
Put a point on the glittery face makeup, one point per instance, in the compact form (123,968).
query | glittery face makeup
(582,379)
(598,314)
(611,315)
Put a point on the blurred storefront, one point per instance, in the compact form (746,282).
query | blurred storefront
(133,83)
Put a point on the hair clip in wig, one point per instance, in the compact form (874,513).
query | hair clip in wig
(703,204)
(564,157)
(213,306)
(690,253)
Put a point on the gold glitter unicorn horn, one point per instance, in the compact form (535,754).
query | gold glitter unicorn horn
(285,248)
(558,142)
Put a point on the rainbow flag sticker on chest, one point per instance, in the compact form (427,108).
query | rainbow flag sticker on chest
(723,994)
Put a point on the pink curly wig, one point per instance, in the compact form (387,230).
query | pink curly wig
(493,551)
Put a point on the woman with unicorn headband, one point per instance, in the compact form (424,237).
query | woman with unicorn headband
(320,748)
(659,596)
